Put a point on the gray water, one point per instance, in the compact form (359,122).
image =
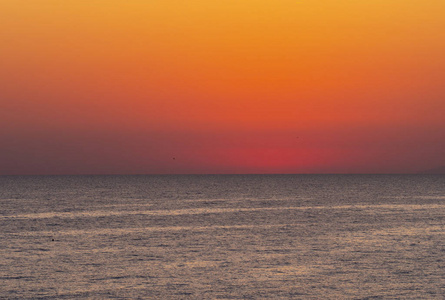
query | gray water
(223,237)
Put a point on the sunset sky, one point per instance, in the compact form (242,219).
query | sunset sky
(224,86)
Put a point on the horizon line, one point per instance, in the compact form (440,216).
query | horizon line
(215,174)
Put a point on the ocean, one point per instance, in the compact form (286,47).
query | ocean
(222,237)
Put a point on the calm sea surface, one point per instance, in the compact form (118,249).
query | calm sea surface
(223,237)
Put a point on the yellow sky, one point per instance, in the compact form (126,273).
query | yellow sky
(230,68)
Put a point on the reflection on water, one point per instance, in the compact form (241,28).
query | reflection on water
(232,237)
(197,211)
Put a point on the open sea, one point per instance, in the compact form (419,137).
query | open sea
(222,237)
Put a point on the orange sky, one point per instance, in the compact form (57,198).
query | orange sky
(122,87)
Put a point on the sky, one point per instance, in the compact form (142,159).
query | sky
(224,86)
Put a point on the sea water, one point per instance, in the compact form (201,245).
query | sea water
(223,237)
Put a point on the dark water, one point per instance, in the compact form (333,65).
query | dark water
(223,237)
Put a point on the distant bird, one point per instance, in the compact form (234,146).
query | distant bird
(174,158)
